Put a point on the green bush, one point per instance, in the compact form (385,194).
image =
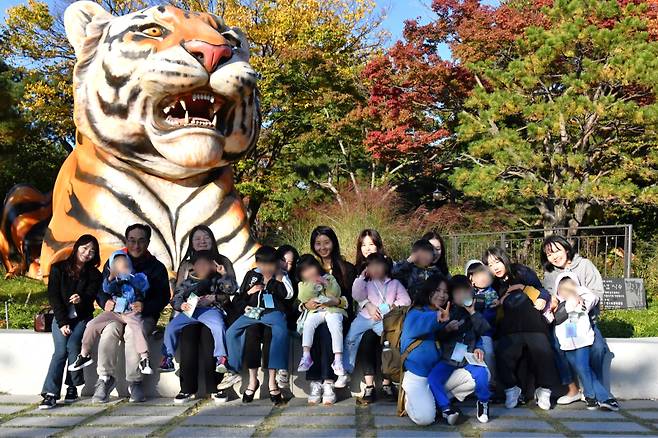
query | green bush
(24,298)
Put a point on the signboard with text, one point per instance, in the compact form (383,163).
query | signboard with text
(624,293)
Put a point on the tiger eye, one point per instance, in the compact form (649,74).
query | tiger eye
(153,31)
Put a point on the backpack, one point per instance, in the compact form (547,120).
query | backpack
(392,358)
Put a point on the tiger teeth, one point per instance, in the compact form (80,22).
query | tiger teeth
(214,120)
(182,103)
(187,117)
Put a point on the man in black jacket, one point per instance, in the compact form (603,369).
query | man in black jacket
(137,241)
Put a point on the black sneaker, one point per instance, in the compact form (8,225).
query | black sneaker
(610,404)
(49,401)
(145,366)
(523,400)
(81,362)
(71,394)
(167,364)
(450,415)
(482,411)
(390,392)
(183,397)
(591,403)
(368,395)
(220,397)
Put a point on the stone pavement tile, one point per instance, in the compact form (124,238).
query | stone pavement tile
(604,426)
(10,409)
(390,421)
(166,401)
(86,401)
(401,433)
(586,415)
(645,415)
(222,420)
(616,435)
(513,424)
(306,409)
(26,432)
(501,412)
(46,421)
(312,433)
(312,421)
(639,404)
(228,432)
(135,420)
(121,431)
(8,399)
(522,435)
(164,411)
(63,409)
(383,409)
(235,409)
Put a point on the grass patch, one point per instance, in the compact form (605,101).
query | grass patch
(636,323)
(24,298)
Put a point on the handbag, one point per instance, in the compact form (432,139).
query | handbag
(301,320)
(255,312)
(43,320)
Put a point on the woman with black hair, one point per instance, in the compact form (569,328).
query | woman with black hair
(428,316)
(72,287)
(440,258)
(202,239)
(325,246)
(368,242)
(559,256)
(522,328)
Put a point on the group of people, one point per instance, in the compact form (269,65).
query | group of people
(496,330)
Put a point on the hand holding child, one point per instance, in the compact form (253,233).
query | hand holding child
(109,306)
(138,306)
(221,270)
(540,304)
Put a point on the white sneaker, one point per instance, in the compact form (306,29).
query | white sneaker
(342,381)
(283,379)
(543,398)
(512,397)
(337,366)
(328,394)
(568,399)
(315,396)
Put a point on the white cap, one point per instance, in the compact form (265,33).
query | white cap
(471,263)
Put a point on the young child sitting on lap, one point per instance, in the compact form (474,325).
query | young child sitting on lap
(213,291)
(124,288)
(486,302)
(573,330)
(318,286)
(461,348)
(413,272)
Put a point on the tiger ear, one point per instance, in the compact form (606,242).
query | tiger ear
(77,17)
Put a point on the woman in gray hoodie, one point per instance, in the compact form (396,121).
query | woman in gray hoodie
(559,256)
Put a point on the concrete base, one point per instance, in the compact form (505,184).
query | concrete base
(25,356)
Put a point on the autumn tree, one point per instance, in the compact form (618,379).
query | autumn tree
(571,120)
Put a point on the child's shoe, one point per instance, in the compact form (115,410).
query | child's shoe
(167,364)
(49,401)
(305,363)
(591,403)
(390,392)
(543,398)
(512,397)
(337,366)
(230,379)
(221,365)
(482,411)
(283,379)
(450,415)
(81,362)
(71,395)
(328,394)
(145,366)
(342,381)
(315,396)
(610,404)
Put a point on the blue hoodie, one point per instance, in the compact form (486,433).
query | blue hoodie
(132,287)
(421,324)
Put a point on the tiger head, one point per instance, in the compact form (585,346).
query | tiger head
(166,90)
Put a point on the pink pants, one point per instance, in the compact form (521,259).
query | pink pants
(96,326)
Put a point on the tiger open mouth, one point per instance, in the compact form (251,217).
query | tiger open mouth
(198,109)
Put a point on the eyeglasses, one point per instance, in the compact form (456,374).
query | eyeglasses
(136,241)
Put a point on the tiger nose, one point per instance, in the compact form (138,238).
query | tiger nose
(209,55)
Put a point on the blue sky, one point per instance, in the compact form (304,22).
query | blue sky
(397,12)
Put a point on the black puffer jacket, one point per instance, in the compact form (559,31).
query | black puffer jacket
(62,286)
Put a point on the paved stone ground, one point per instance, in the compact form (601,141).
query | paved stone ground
(19,417)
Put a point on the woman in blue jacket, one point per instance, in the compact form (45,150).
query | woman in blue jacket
(425,320)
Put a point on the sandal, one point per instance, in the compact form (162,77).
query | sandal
(276,397)
(248,398)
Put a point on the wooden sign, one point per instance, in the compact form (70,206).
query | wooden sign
(624,293)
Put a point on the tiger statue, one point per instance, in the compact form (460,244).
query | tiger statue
(165,99)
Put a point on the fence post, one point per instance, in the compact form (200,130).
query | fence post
(454,249)
(628,250)
(502,240)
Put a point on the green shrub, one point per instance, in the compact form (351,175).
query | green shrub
(24,298)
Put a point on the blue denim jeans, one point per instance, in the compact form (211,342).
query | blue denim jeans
(208,316)
(592,387)
(598,357)
(235,336)
(561,361)
(441,373)
(359,326)
(66,348)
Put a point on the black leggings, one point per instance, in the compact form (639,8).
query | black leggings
(196,350)
(513,347)
(256,335)
(369,355)
(322,355)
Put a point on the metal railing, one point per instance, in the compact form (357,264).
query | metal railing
(609,247)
